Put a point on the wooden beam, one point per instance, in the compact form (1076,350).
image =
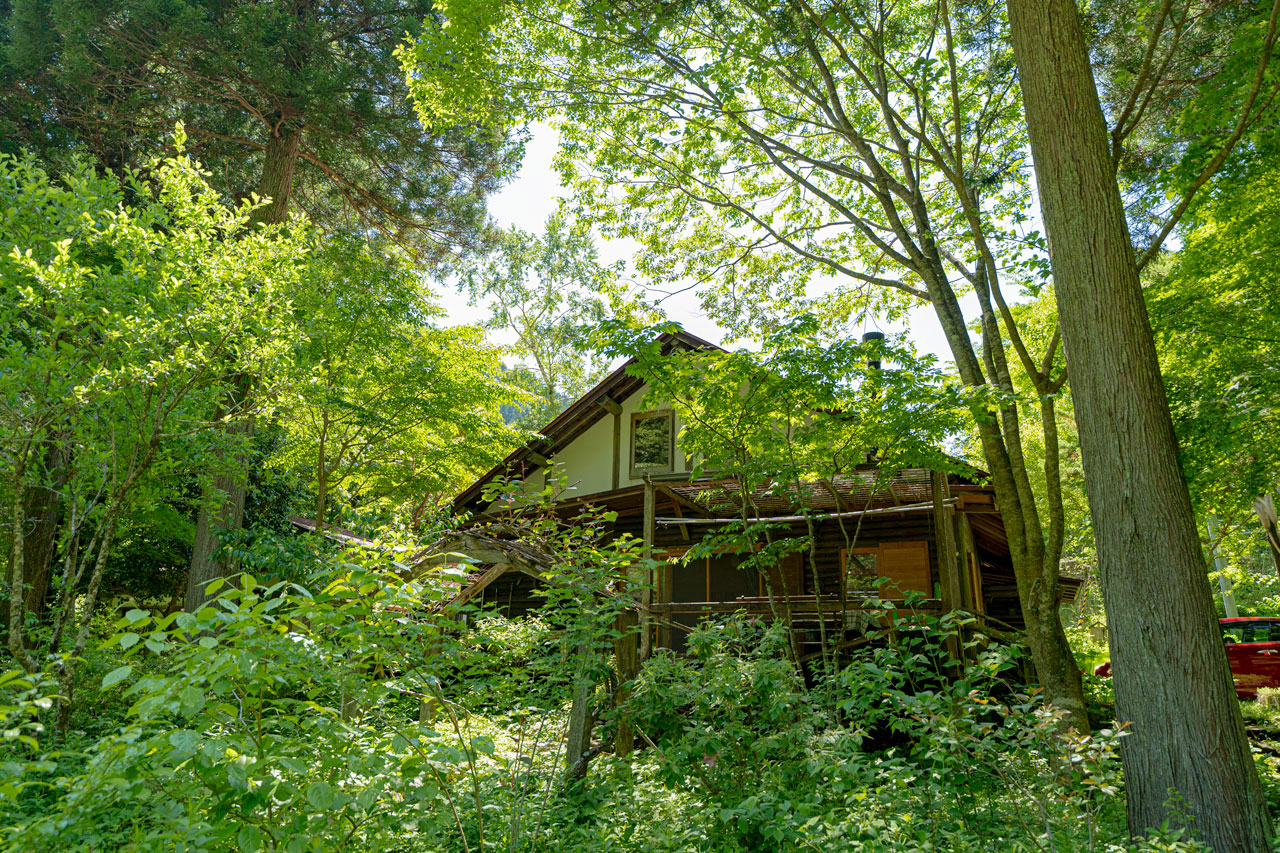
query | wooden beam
(538,459)
(462,554)
(478,585)
(610,405)
(971,596)
(949,576)
(675,508)
(835,495)
(617,449)
(918,507)
(680,499)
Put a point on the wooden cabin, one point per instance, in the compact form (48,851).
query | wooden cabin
(937,539)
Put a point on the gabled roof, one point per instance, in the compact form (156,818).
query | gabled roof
(575,420)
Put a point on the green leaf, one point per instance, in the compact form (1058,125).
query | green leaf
(184,740)
(249,838)
(238,774)
(192,699)
(320,796)
(129,640)
(116,675)
(294,765)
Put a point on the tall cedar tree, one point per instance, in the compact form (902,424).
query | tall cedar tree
(1171,676)
(298,102)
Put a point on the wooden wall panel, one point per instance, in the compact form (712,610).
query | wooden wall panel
(906,565)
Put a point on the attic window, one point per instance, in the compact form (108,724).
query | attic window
(652,443)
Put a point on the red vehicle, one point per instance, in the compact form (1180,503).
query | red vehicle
(1253,650)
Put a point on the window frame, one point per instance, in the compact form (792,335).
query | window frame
(637,472)
(845,553)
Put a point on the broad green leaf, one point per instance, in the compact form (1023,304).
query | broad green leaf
(116,675)
(320,795)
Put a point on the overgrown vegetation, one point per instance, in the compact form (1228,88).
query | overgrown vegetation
(234,413)
(341,711)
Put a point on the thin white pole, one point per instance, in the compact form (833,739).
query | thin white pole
(1220,565)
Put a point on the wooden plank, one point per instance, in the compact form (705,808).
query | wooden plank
(970,575)
(676,497)
(949,582)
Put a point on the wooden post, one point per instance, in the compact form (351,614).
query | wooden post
(624,651)
(971,595)
(579,736)
(635,621)
(617,449)
(950,576)
(949,579)
(644,577)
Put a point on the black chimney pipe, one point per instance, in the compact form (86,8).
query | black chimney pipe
(872,364)
(867,337)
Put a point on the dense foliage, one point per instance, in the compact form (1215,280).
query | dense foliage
(241,371)
(338,713)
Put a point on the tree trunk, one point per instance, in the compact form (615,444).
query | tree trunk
(223,510)
(1171,677)
(278,167)
(628,662)
(67,676)
(223,507)
(43,513)
(17,616)
(1035,559)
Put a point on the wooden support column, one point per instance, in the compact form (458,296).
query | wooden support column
(617,451)
(611,406)
(644,577)
(972,589)
(633,624)
(949,578)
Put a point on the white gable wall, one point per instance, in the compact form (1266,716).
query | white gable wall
(586,463)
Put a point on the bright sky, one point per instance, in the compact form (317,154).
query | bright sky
(534,194)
